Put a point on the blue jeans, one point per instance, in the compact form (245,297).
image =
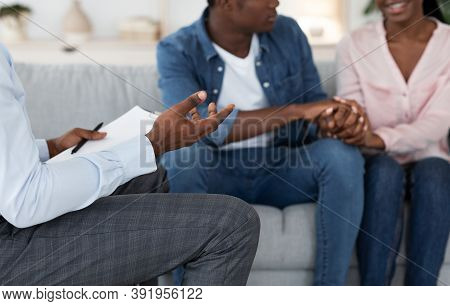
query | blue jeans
(327,172)
(382,225)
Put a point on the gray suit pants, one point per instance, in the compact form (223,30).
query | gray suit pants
(134,236)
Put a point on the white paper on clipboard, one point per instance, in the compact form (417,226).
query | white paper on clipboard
(134,123)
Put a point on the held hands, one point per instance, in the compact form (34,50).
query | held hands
(349,123)
(70,139)
(173,130)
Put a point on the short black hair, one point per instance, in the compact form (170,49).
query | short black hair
(211,2)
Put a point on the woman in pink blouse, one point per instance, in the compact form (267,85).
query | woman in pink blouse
(398,69)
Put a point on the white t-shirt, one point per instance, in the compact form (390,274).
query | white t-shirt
(241,87)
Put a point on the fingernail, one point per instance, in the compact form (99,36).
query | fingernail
(361,119)
(202,95)
(354,109)
(329,111)
(339,99)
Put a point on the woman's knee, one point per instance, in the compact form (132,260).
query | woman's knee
(383,169)
(432,176)
(431,169)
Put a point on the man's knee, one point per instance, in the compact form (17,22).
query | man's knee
(339,157)
(239,216)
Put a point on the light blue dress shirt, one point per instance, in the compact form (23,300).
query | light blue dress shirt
(34,192)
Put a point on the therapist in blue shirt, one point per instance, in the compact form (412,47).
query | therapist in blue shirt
(241,52)
(91,220)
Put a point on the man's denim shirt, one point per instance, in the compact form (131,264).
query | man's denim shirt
(188,62)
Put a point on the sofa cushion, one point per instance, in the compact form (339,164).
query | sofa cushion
(287,240)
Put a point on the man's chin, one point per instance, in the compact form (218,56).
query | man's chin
(266,29)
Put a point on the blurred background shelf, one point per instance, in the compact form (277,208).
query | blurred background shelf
(108,52)
(102,51)
(323,21)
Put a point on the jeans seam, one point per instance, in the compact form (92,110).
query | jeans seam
(391,263)
(322,228)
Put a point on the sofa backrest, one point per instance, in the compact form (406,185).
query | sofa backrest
(61,97)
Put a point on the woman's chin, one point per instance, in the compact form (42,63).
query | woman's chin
(398,18)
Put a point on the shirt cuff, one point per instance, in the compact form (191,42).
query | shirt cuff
(137,158)
(44,154)
(219,136)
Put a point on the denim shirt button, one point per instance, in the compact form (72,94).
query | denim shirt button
(258,63)
(266,84)
(215,91)
(220,68)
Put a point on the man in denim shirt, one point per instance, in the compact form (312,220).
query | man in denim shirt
(241,52)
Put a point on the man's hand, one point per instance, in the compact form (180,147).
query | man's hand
(173,130)
(351,125)
(327,108)
(70,139)
(346,123)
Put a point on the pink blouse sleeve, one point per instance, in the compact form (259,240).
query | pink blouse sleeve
(431,125)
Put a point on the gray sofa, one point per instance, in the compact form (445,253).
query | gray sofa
(63,97)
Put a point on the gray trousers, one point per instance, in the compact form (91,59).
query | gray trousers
(134,236)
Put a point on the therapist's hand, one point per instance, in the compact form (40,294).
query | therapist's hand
(174,130)
(70,139)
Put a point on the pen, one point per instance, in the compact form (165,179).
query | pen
(83,141)
(155,113)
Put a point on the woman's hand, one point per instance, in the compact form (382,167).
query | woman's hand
(348,123)
(174,130)
(368,140)
(352,127)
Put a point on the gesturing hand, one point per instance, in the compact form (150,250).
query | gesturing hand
(70,139)
(173,130)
